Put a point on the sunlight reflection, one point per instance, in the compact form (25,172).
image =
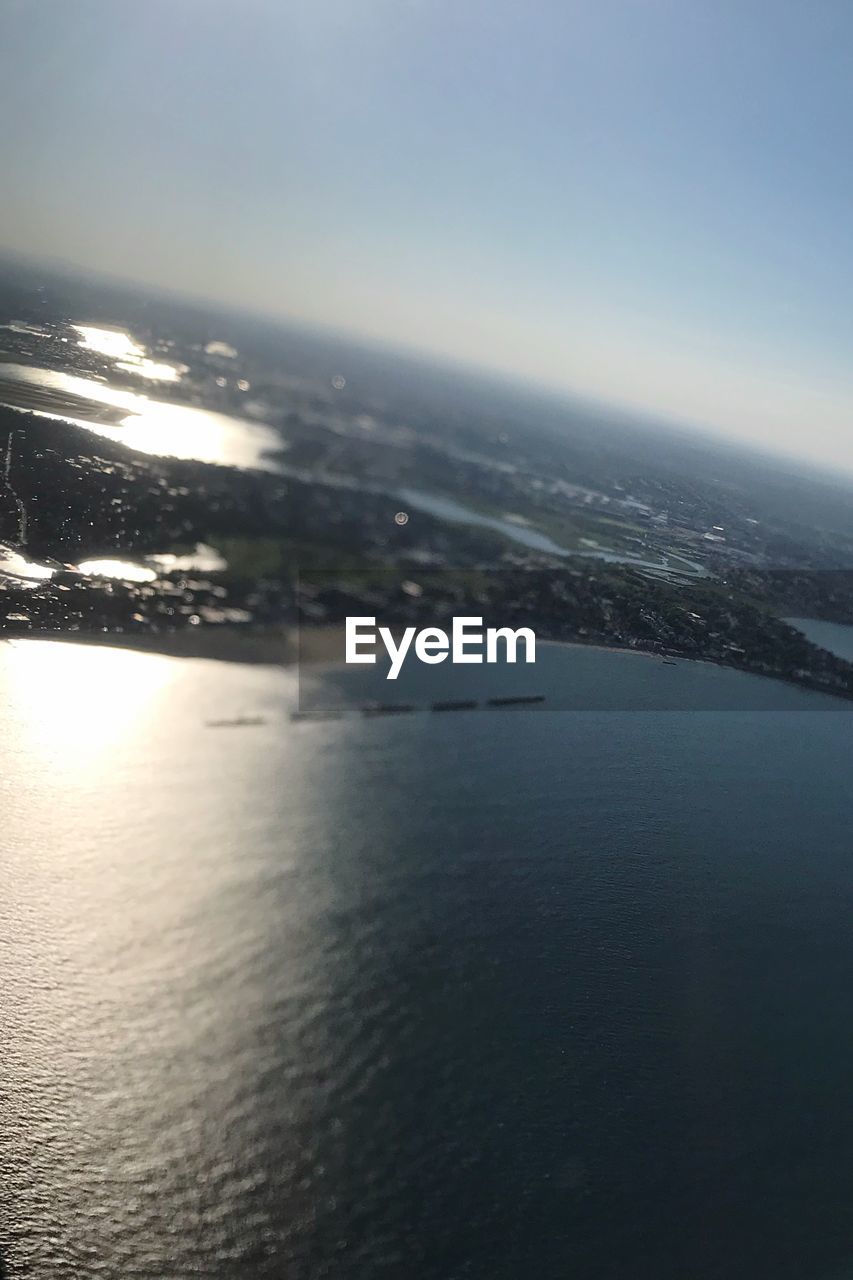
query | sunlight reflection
(122,570)
(108,342)
(73,385)
(71,705)
(151,426)
(172,430)
(156,372)
(128,355)
(223,349)
(204,559)
(13,564)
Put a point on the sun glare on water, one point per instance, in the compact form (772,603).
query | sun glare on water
(129,356)
(70,705)
(21,570)
(108,342)
(153,426)
(122,570)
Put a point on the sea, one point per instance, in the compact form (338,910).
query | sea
(551,991)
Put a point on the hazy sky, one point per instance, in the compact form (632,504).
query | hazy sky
(646,200)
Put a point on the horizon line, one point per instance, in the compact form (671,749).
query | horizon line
(636,416)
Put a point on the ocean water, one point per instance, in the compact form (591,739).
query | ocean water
(488,995)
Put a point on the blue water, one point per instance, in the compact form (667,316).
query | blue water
(444,508)
(833,636)
(574,678)
(486,995)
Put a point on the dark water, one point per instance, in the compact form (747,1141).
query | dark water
(492,996)
(577,678)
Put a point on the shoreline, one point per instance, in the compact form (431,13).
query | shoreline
(623,648)
(284,647)
(252,650)
(320,647)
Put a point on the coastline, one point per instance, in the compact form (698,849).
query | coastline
(267,649)
(321,646)
(272,646)
(279,647)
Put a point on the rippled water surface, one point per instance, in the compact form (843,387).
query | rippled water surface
(520,994)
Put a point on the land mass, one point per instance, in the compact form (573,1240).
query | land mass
(521,511)
(299,554)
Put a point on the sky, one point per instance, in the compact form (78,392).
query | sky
(645,201)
